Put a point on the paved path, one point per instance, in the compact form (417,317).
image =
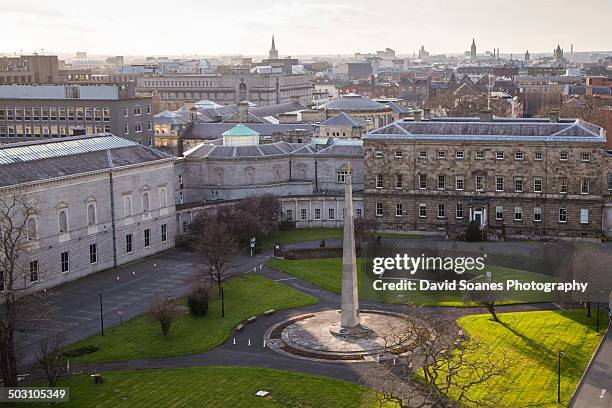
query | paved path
(595,390)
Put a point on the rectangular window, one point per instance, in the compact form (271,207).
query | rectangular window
(584,215)
(441,154)
(563,156)
(378,154)
(441,211)
(459,154)
(399,181)
(537,184)
(125,112)
(358,212)
(441,182)
(518,184)
(399,154)
(499,213)
(379,209)
(332,214)
(379,181)
(93,253)
(303,214)
(563,185)
(584,186)
(147,238)
(519,156)
(585,157)
(399,210)
(518,214)
(562,214)
(317,214)
(459,211)
(289,215)
(537,214)
(480,155)
(33,271)
(422,154)
(459,183)
(499,155)
(164,232)
(479,183)
(422,210)
(423,181)
(128,243)
(499,183)
(65,262)
(538,156)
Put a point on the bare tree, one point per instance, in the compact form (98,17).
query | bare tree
(51,358)
(17,224)
(487,298)
(437,365)
(364,230)
(165,310)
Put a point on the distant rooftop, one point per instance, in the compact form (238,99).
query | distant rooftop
(87,92)
(355,103)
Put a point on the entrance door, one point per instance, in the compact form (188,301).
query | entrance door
(478,218)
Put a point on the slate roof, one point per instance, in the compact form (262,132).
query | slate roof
(499,129)
(343,119)
(355,103)
(170,118)
(50,159)
(266,150)
(208,131)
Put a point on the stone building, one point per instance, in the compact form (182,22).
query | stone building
(373,114)
(101,201)
(29,69)
(34,112)
(515,177)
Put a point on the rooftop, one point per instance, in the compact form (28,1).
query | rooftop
(354,103)
(66,92)
(240,130)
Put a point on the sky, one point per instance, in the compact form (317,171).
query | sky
(301,27)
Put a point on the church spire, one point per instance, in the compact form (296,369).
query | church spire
(273,54)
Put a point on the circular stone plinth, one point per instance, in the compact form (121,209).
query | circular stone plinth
(313,336)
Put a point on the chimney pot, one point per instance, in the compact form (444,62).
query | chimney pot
(553,116)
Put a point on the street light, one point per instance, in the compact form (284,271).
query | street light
(222,303)
(561,354)
(101,315)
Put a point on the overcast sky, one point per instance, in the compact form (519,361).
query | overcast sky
(210,27)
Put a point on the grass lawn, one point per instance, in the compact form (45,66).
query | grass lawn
(326,273)
(532,340)
(213,386)
(245,296)
(301,235)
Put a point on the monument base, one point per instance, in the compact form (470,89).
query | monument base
(358,331)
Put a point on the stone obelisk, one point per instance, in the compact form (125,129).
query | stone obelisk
(349,317)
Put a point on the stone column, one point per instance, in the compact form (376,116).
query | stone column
(349,317)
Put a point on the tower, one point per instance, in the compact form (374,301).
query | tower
(527,56)
(473,51)
(558,54)
(349,313)
(273,53)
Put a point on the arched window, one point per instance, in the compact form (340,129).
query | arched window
(63,221)
(145,202)
(249,176)
(243,92)
(91,214)
(127,206)
(277,173)
(163,199)
(31,229)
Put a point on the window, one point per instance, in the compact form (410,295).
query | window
(126,129)
(145,203)
(289,214)
(63,221)
(518,184)
(65,262)
(303,214)
(537,184)
(332,214)
(125,112)
(358,212)
(93,253)
(563,185)
(562,214)
(31,229)
(378,154)
(149,109)
(164,232)
(317,214)
(519,156)
(459,183)
(441,154)
(33,271)
(537,214)
(459,154)
(538,156)
(563,156)
(585,157)
(128,243)
(441,211)
(499,183)
(399,181)
(127,206)
(479,183)
(459,211)
(147,238)
(423,181)
(518,214)
(379,209)
(499,213)
(91,214)
(584,186)
(399,154)
(422,210)
(584,215)
(480,155)
(163,198)
(422,154)
(379,181)
(341,176)
(137,127)
(499,155)
(441,182)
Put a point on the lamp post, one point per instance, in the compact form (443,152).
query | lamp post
(561,354)
(101,315)
(222,303)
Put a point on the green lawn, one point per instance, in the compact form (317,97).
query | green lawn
(301,235)
(211,387)
(326,273)
(245,296)
(532,341)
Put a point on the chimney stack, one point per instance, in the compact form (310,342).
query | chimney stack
(553,116)
(417,116)
(243,111)
(426,113)
(193,114)
(485,115)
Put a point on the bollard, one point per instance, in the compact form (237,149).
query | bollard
(234,340)
(249,342)
(393,361)
(117,278)
(264,343)
(133,273)
(260,267)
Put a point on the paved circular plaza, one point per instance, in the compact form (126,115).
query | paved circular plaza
(314,336)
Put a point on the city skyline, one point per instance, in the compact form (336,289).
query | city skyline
(302,28)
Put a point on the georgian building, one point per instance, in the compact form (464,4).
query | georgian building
(515,177)
(101,201)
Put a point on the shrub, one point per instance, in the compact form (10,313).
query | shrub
(164,310)
(286,225)
(198,301)
(473,234)
(81,351)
